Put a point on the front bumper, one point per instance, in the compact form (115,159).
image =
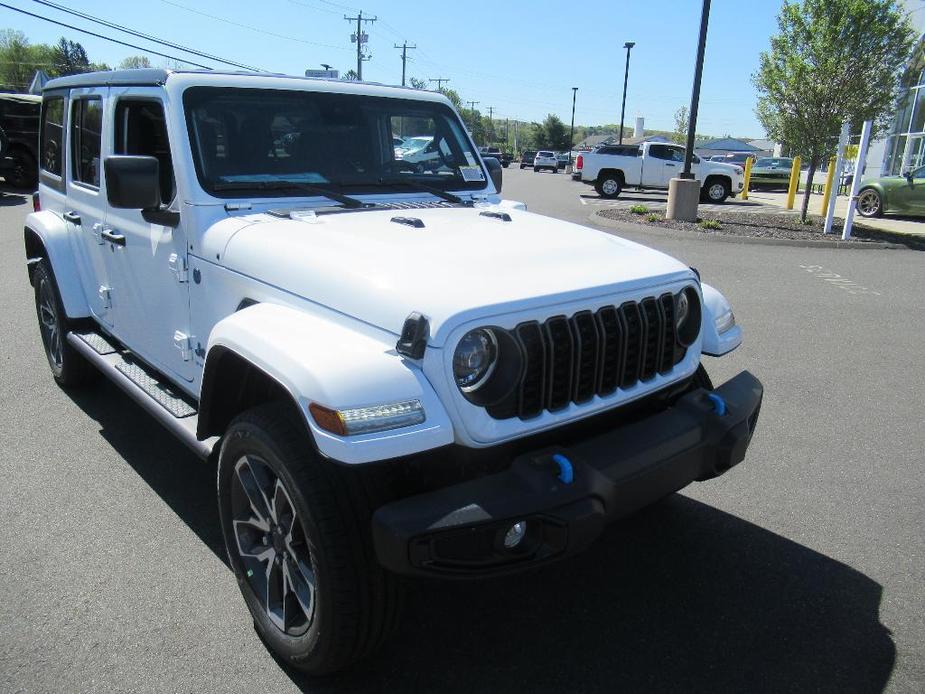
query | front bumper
(458,531)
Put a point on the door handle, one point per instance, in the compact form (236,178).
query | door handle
(113,237)
(72,217)
(670,164)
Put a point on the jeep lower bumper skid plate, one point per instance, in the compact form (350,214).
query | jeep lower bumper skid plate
(555,502)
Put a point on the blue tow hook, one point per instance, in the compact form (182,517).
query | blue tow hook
(718,403)
(566,472)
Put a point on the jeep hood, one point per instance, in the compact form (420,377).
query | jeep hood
(459,265)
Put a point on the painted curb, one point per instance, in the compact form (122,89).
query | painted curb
(596,218)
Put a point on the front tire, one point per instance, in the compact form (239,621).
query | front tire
(536,169)
(68,367)
(297,531)
(870,204)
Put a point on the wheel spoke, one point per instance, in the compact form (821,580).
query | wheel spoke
(248,476)
(300,586)
(283,511)
(251,538)
(276,593)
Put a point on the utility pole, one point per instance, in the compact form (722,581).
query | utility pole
(404,58)
(360,38)
(439,81)
(472,117)
(491,112)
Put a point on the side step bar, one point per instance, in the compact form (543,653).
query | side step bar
(144,387)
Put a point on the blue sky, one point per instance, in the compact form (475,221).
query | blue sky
(520,57)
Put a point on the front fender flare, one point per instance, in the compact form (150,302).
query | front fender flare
(320,359)
(46,235)
(715,305)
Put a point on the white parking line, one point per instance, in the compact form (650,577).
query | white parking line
(836,280)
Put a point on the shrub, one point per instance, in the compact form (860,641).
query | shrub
(639,209)
(710,224)
(653,218)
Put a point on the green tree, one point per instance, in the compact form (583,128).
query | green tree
(134,62)
(453,96)
(69,58)
(831,61)
(17,60)
(551,133)
(350,76)
(681,124)
(417,83)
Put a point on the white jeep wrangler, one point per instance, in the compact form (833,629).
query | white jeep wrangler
(398,373)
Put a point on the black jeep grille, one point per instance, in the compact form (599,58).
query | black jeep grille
(572,359)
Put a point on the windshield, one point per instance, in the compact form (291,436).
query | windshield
(774,161)
(336,141)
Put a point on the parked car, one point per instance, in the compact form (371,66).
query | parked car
(901,194)
(395,372)
(19,120)
(771,172)
(562,158)
(526,158)
(495,152)
(652,165)
(545,160)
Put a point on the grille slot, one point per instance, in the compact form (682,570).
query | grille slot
(572,359)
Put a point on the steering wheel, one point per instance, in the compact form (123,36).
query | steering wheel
(401,165)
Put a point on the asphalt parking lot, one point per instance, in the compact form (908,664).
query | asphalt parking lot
(803,569)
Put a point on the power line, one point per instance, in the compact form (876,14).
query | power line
(258,29)
(404,58)
(105,38)
(142,35)
(439,81)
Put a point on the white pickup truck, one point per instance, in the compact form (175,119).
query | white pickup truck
(612,168)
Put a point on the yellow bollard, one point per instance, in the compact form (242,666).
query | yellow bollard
(748,176)
(794,182)
(828,185)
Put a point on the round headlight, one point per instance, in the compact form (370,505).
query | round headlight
(475,359)
(687,316)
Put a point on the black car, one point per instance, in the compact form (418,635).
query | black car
(526,159)
(19,123)
(503,157)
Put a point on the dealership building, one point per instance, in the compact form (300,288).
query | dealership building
(904,146)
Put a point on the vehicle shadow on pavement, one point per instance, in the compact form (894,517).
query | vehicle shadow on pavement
(680,597)
(183,481)
(661,198)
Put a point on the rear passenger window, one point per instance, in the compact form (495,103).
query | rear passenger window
(86,138)
(142,131)
(52,135)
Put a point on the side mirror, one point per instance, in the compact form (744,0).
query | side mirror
(133,182)
(495,171)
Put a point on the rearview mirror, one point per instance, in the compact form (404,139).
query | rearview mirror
(495,171)
(132,182)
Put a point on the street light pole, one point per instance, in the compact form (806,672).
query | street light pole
(695,94)
(684,191)
(571,132)
(626,76)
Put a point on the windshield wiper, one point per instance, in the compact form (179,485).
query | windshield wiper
(423,188)
(345,200)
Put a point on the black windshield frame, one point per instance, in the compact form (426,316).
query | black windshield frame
(379,109)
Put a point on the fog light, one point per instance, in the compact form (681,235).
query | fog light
(515,535)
